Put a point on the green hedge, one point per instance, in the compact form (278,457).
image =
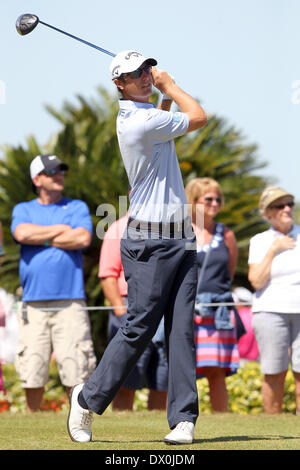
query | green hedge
(244,390)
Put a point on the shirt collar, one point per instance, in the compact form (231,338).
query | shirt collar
(128,104)
(291,232)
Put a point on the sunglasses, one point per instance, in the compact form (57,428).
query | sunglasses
(209,200)
(138,72)
(282,206)
(54,171)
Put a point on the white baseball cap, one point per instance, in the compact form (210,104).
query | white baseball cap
(128,61)
(45,163)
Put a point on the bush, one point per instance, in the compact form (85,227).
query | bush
(13,399)
(244,390)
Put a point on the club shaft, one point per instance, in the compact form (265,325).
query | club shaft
(78,39)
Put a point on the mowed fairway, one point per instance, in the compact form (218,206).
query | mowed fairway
(144,430)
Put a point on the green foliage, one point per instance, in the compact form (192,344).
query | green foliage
(219,151)
(55,397)
(88,143)
(15,186)
(244,391)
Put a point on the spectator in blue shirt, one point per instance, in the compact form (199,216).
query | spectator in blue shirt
(52,230)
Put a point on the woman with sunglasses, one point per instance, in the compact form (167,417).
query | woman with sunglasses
(215,334)
(274,272)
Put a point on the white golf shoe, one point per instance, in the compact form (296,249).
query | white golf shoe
(79,419)
(183,433)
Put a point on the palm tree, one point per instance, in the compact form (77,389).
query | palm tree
(15,186)
(88,143)
(219,151)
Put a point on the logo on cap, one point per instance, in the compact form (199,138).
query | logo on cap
(133,53)
(114,71)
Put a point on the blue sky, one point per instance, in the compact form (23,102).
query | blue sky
(239,57)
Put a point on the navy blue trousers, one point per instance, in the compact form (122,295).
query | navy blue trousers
(162,279)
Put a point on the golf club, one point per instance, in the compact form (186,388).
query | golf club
(27,22)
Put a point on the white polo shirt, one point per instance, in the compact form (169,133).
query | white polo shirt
(281,294)
(145,136)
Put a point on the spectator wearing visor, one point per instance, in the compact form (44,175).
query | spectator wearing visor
(274,272)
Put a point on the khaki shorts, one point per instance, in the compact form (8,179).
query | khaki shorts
(65,332)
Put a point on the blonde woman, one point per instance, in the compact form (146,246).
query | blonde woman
(274,272)
(215,334)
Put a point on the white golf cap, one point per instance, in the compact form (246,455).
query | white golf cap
(44,163)
(128,61)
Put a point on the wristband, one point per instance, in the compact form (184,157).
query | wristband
(47,243)
(166,97)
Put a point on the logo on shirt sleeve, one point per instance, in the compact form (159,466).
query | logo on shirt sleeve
(176,117)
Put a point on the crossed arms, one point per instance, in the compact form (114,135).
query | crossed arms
(58,235)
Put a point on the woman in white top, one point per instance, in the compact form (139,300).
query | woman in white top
(274,272)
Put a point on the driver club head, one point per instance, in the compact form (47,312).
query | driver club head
(26,23)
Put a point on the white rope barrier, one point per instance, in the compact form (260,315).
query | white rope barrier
(105,307)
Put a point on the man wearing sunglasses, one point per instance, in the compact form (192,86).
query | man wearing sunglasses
(52,230)
(158,249)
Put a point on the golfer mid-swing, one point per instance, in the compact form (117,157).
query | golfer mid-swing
(158,250)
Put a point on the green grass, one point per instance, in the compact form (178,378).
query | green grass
(145,430)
